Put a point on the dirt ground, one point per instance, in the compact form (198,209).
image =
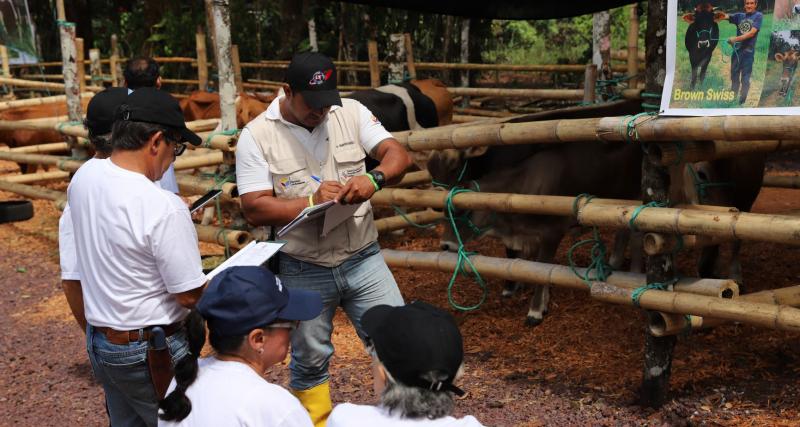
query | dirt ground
(580,367)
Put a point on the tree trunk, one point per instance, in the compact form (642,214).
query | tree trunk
(655,187)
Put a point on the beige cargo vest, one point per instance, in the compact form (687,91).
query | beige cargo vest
(291,167)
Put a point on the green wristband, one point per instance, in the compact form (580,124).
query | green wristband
(372,179)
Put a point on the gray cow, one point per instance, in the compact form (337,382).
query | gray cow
(605,170)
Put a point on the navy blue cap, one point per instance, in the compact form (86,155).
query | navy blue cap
(151,105)
(240,299)
(100,111)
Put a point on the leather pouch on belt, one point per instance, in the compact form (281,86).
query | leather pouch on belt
(159,362)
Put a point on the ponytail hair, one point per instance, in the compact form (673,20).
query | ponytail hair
(176,406)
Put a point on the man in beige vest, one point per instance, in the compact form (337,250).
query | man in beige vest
(307,148)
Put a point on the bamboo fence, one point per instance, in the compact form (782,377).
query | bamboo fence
(399,222)
(708,221)
(671,324)
(28,178)
(771,316)
(669,154)
(46,100)
(42,85)
(544,274)
(605,129)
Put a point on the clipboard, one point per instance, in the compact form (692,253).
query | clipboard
(308,214)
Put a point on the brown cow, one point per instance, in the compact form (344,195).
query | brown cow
(205,105)
(21,138)
(789,60)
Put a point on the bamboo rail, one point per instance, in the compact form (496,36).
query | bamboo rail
(45,123)
(782,181)
(480,112)
(705,220)
(236,239)
(657,243)
(196,185)
(202,160)
(34,192)
(539,273)
(42,85)
(63,163)
(46,100)
(672,324)
(28,178)
(52,147)
(771,316)
(364,65)
(412,179)
(647,129)
(568,94)
(669,154)
(463,118)
(398,222)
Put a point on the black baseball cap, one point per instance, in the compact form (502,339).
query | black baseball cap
(314,76)
(240,299)
(101,109)
(151,105)
(414,339)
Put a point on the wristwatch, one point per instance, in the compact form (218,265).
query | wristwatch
(379,177)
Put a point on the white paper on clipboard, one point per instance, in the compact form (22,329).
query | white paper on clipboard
(255,253)
(336,215)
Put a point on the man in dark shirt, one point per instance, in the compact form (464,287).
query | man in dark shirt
(748,23)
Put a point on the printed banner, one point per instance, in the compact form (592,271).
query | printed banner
(732,57)
(17,31)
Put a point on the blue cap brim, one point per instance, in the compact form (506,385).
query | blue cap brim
(303,305)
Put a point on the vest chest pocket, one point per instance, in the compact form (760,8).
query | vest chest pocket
(349,162)
(290,178)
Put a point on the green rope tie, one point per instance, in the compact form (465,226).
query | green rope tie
(650,106)
(637,293)
(576,202)
(219,181)
(403,214)
(702,186)
(229,132)
(60,126)
(629,125)
(639,209)
(463,257)
(597,253)
(62,23)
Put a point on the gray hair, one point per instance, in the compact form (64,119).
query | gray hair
(416,402)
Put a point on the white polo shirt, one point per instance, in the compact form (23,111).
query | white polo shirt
(350,415)
(66,241)
(232,394)
(252,170)
(135,245)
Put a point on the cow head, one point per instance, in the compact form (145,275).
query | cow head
(789,60)
(705,19)
(451,168)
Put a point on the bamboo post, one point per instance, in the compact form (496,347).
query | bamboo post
(633,45)
(312,35)
(601,45)
(374,70)
(6,66)
(771,316)
(237,69)
(396,58)
(545,274)
(399,222)
(81,63)
(222,47)
(96,71)
(465,57)
(213,31)
(72,66)
(589,84)
(782,181)
(202,59)
(116,69)
(672,324)
(410,66)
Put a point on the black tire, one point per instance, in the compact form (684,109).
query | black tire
(15,210)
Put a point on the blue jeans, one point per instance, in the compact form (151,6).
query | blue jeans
(122,370)
(361,282)
(741,69)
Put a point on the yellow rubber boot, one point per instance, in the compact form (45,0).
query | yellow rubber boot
(317,401)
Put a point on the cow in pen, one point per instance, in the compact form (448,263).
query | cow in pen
(605,170)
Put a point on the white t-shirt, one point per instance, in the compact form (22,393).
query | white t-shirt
(252,170)
(232,394)
(350,415)
(66,241)
(135,244)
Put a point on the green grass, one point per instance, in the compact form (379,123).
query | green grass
(718,73)
(772,84)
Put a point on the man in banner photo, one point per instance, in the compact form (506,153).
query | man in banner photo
(748,25)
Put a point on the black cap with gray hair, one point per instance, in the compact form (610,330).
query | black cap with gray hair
(415,339)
